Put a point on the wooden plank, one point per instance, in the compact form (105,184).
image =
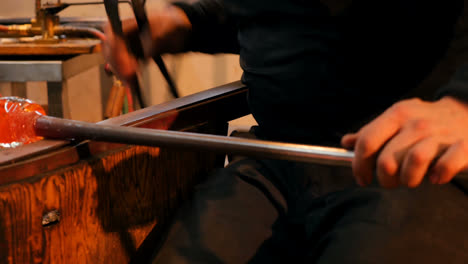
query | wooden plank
(10,156)
(69,47)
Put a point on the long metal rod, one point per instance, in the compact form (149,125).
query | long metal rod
(57,128)
(51,127)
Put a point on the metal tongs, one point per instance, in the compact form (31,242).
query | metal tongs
(141,48)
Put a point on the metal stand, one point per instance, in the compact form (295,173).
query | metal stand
(54,72)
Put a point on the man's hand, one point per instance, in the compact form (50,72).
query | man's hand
(169,29)
(411,140)
(115,52)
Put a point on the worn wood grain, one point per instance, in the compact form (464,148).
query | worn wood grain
(107,206)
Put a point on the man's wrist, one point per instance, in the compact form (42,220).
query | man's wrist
(451,101)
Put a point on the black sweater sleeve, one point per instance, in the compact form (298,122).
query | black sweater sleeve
(457,86)
(213,29)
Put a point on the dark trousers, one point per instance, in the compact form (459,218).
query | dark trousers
(283,212)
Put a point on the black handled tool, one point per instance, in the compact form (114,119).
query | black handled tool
(144,45)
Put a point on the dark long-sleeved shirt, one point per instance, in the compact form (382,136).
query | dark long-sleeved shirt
(314,72)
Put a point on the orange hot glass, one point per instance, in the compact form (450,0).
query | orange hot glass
(17,118)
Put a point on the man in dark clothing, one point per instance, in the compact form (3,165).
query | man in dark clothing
(321,72)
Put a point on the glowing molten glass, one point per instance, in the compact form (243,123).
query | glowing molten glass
(17,118)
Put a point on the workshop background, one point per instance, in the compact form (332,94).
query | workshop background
(193,72)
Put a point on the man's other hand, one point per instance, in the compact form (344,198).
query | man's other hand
(411,140)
